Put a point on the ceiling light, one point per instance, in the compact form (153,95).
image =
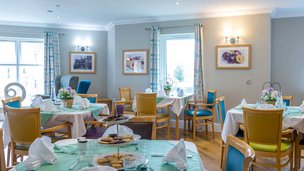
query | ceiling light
(178,3)
(50,11)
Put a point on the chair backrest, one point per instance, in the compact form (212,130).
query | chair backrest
(238,155)
(2,158)
(211,97)
(221,109)
(24,124)
(64,81)
(14,102)
(146,103)
(145,126)
(118,106)
(125,93)
(93,98)
(288,100)
(83,86)
(263,126)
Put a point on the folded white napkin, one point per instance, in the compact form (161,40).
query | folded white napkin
(302,107)
(123,130)
(48,105)
(84,103)
(148,90)
(77,100)
(40,152)
(99,168)
(243,102)
(37,102)
(177,155)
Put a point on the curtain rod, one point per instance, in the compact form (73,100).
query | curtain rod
(20,32)
(190,25)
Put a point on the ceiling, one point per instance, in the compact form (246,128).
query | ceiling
(102,14)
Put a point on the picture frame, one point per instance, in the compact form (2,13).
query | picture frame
(135,62)
(82,62)
(234,57)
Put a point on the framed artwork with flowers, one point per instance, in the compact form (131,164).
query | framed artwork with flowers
(233,56)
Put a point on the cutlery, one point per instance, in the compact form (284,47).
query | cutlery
(74,165)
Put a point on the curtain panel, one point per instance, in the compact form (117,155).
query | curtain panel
(199,79)
(51,61)
(154,58)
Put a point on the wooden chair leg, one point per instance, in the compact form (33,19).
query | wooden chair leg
(69,131)
(278,163)
(193,129)
(291,161)
(169,136)
(206,127)
(8,155)
(213,130)
(222,155)
(185,124)
(14,157)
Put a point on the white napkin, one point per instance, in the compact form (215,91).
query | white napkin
(40,152)
(123,130)
(48,105)
(177,155)
(84,103)
(243,102)
(302,107)
(37,102)
(77,99)
(99,168)
(148,90)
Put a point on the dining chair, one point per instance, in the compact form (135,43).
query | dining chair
(126,94)
(299,146)
(263,132)
(238,155)
(25,127)
(146,105)
(15,102)
(197,111)
(2,158)
(221,113)
(93,98)
(83,86)
(288,100)
(145,126)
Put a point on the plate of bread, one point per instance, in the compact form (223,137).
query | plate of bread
(118,140)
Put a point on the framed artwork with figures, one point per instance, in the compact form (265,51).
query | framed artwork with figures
(233,56)
(82,62)
(135,62)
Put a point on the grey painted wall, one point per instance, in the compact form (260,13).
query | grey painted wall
(287,56)
(230,83)
(67,44)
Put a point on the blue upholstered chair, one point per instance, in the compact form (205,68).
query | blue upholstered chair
(93,98)
(197,111)
(238,155)
(83,86)
(288,100)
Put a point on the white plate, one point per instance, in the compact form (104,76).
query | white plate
(117,122)
(135,140)
(140,158)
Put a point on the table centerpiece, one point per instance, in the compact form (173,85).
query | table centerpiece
(67,95)
(270,95)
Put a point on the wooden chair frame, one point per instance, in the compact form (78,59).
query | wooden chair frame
(290,98)
(298,150)
(208,119)
(128,100)
(278,154)
(241,146)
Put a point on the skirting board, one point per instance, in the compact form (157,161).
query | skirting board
(217,126)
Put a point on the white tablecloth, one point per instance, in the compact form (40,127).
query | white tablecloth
(77,119)
(235,116)
(178,103)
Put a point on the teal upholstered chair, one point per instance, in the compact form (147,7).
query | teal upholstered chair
(93,98)
(288,100)
(83,86)
(197,110)
(238,155)
(14,102)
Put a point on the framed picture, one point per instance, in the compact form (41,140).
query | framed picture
(233,57)
(82,62)
(135,62)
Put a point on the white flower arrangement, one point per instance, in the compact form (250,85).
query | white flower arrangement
(270,94)
(67,93)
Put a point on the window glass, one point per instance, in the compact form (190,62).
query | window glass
(7,52)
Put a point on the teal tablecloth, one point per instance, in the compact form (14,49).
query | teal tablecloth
(46,115)
(155,147)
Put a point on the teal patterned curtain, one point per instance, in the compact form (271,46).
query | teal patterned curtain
(51,60)
(199,85)
(154,58)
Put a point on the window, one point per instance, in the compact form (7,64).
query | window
(22,60)
(177,60)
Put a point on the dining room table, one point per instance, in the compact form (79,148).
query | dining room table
(177,106)
(75,115)
(70,158)
(293,117)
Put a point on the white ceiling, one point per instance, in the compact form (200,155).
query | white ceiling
(101,14)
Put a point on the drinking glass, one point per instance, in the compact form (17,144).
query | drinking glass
(129,164)
(143,147)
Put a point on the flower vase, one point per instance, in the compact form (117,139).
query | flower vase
(68,103)
(167,92)
(271,102)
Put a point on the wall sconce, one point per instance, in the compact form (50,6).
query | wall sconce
(232,40)
(82,44)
